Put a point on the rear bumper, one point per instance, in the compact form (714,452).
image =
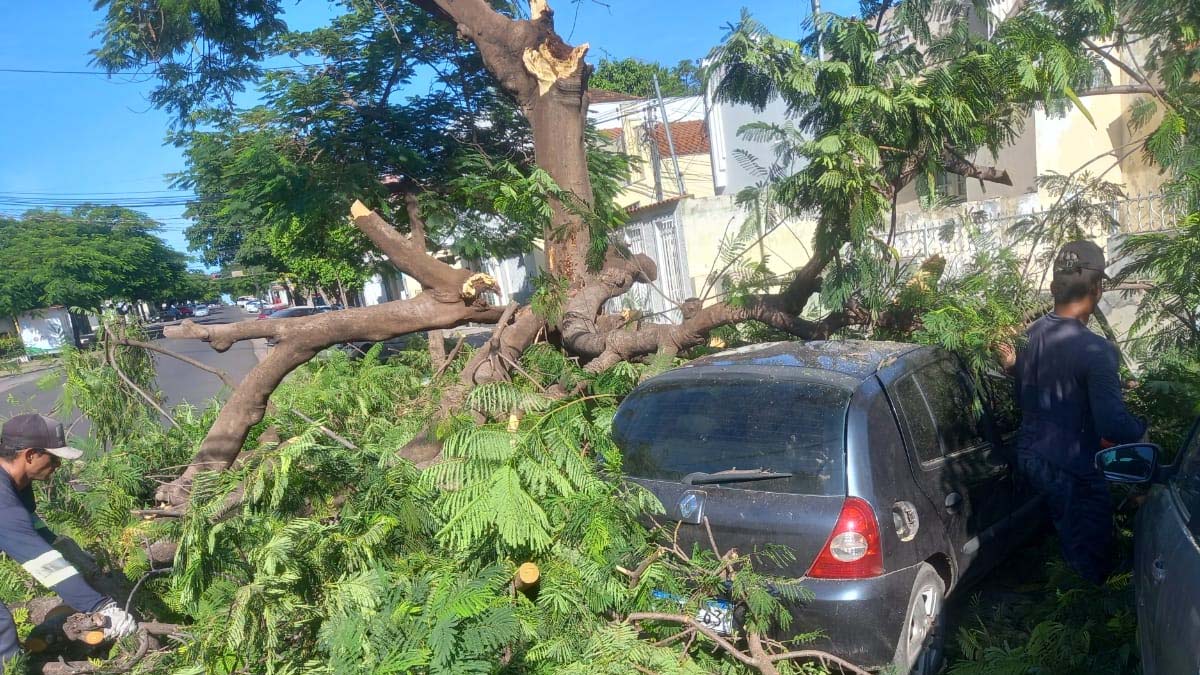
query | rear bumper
(860,620)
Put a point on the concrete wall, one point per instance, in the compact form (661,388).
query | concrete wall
(724,122)
(707,221)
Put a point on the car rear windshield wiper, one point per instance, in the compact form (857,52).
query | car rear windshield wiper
(732,476)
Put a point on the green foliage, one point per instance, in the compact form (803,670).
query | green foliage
(115,410)
(549,298)
(972,312)
(312,557)
(635,77)
(1168,319)
(872,115)
(1168,396)
(1049,622)
(83,258)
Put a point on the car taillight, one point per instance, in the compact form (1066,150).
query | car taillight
(852,550)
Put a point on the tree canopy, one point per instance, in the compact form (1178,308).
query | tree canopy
(83,258)
(636,77)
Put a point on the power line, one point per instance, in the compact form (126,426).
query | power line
(49,71)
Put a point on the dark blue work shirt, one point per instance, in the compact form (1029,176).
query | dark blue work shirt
(27,540)
(1070,395)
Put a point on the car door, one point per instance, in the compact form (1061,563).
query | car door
(954,460)
(1167,569)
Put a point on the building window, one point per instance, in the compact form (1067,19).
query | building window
(951,185)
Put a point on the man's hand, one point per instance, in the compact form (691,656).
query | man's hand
(1007,355)
(119,623)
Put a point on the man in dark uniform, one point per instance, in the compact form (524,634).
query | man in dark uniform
(31,448)
(1069,392)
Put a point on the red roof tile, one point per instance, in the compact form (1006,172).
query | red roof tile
(690,138)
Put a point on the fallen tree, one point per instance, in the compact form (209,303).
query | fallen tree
(272,540)
(547,80)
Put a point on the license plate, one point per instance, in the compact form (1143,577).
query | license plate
(715,614)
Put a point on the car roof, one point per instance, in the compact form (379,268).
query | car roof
(858,359)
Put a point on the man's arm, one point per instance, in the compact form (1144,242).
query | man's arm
(1113,421)
(22,543)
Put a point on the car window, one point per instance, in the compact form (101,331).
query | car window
(669,429)
(1005,413)
(1187,481)
(957,414)
(918,419)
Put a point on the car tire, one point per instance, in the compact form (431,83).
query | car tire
(922,646)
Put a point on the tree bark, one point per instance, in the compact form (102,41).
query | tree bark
(548,80)
(454,297)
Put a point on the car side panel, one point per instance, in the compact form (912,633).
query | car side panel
(877,470)
(1166,570)
(978,530)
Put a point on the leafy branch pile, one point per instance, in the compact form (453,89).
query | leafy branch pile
(311,556)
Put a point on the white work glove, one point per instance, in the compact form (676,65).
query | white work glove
(118,622)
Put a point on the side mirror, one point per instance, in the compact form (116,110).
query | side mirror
(1131,463)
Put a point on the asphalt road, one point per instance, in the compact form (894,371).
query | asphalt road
(179,381)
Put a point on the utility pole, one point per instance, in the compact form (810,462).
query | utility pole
(667,128)
(655,157)
(816,9)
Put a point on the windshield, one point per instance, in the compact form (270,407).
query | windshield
(671,429)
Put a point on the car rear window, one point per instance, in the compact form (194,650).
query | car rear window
(669,429)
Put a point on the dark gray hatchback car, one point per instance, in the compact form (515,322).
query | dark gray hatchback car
(878,464)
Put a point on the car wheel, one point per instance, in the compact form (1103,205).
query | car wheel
(921,649)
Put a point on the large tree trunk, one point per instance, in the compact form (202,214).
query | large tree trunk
(548,79)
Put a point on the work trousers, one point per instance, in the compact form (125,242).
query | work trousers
(1081,508)
(9,646)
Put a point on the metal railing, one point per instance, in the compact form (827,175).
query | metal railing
(959,234)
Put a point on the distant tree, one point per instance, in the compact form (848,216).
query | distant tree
(635,77)
(83,258)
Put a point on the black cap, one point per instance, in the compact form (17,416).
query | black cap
(1080,255)
(37,431)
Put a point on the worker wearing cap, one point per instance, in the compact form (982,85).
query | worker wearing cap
(31,448)
(1069,392)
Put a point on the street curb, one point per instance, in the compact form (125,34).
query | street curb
(39,369)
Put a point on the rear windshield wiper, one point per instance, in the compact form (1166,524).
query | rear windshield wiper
(732,476)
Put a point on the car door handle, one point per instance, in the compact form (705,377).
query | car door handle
(953,502)
(1158,570)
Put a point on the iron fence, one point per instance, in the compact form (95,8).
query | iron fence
(959,234)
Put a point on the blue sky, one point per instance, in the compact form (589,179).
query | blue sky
(68,136)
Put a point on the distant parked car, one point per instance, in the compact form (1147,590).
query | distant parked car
(1166,559)
(185,310)
(252,307)
(170,314)
(878,465)
(201,310)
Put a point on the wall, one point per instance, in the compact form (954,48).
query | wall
(706,221)
(515,275)
(724,122)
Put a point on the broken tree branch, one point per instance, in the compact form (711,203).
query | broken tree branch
(111,359)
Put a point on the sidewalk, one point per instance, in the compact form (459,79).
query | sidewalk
(9,381)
